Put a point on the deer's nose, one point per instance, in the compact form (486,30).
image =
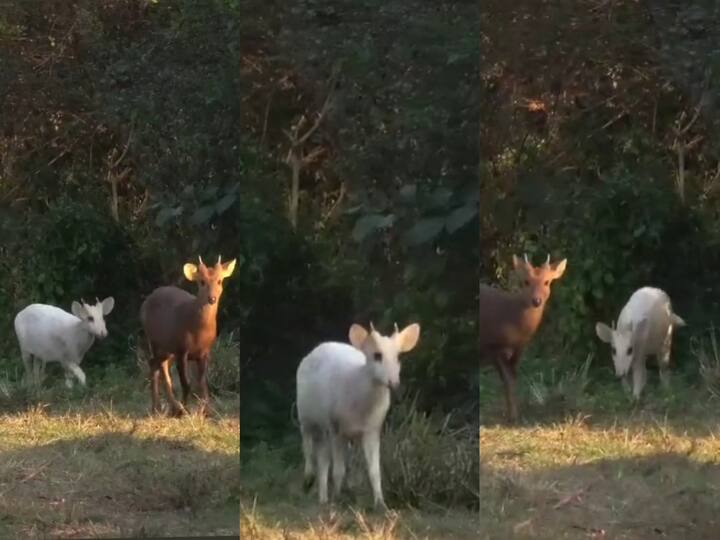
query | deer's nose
(536,301)
(212,300)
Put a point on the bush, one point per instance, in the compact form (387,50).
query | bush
(224,369)
(708,355)
(424,459)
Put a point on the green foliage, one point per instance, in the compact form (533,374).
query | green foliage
(707,354)
(633,218)
(224,369)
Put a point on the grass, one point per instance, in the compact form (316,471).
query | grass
(429,481)
(94,463)
(585,462)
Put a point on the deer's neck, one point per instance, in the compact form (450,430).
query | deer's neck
(204,317)
(530,317)
(85,338)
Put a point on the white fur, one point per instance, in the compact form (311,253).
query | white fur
(49,334)
(644,328)
(343,394)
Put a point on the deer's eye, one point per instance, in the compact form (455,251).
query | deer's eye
(629,351)
(527,283)
(90,318)
(547,283)
(219,281)
(377,357)
(203,282)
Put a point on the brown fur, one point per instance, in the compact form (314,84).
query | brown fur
(508,321)
(181,327)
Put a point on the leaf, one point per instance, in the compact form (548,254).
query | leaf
(225,203)
(369,223)
(353,210)
(453,58)
(440,197)
(408,193)
(424,231)
(202,215)
(209,193)
(460,217)
(166,214)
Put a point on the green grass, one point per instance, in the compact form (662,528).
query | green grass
(94,463)
(588,463)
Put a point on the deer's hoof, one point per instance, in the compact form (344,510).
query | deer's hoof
(177,412)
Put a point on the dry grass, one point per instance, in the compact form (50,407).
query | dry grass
(602,467)
(306,521)
(95,464)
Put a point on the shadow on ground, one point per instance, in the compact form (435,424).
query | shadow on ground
(119,485)
(663,495)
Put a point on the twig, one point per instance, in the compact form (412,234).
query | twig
(333,209)
(576,496)
(115,178)
(265,120)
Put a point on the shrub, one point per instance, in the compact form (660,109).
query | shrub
(224,369)
(424,459)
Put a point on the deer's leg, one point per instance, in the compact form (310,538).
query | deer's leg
(663,358)
(154,365)
(28,362)
(155,387)
(201,367)
(71,368)
(371,448)
(309,455)
(639,375)
(322,451)
(338,461)
(176,408)
(37,374)
(506,363)
(182,365)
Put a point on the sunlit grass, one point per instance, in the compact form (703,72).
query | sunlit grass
(94,463)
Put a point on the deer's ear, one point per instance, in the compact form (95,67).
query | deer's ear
(227,268)
(604,332)
(190,270)
(357,335)
(77,309)
(107,305)
(408,338)
(559,269)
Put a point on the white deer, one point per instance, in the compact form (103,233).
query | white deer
(644,328)
(343,394)
(49,334)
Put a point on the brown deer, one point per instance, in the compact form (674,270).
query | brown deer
(509,320)
(181,327)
